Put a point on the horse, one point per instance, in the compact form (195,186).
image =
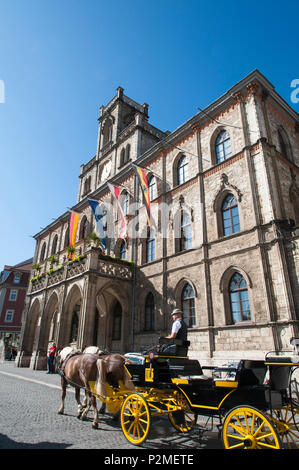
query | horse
(113,378)
(78,369)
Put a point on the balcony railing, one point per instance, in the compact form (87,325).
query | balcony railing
(92,260)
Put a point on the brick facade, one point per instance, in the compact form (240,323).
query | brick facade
(260,174)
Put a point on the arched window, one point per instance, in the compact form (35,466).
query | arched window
(84,229)
(152,188)
(230,215)
(182,170)
(107,131)
(54,245)
(122,157)
(123,250)
(186,232)
(117,317)
(284,143)
(43,252)
(150,245)
(223,146)
(149,324)
(75,324)
(125,203)
(188,305)
(239,300)
(66,239)
(128,151)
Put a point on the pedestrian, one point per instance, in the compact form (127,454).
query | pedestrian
(51,358)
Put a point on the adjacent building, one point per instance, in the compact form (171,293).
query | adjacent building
(223,243)
(14,281)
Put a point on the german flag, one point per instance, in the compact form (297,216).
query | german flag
(145,191)
(73,226)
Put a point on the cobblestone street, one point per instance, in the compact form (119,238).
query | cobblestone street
(29,420)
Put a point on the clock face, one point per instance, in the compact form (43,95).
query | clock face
(106,170)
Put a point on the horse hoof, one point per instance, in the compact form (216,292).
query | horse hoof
(95,426)
(60,412)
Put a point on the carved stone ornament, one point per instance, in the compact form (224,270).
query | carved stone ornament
(226,185)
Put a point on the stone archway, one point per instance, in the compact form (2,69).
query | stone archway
(70,318)
(49,322)
(113,305)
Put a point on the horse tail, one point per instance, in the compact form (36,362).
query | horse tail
(101,378)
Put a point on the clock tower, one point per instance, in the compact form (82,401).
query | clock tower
(124,134)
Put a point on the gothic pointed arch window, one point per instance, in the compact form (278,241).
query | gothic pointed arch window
(149,324)
(84,228)
(239,300)
(150,245)
(128,152)
(75,324)
(186,232)
(54,245)
(117,320)
(188,305)
(125,202)
(122,157)
(123,250)
(107,131)
(152,188)
(284,144)
(43,252)
(182,170)
(223,146)
(230,215)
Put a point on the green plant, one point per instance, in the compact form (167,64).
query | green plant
(70,251)
(94,240)
(53,260)
(37,267)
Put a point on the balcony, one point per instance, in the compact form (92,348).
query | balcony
(91,261)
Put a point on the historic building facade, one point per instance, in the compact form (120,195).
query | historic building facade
(224,190)
(14,281)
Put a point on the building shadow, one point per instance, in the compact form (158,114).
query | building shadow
(7,443)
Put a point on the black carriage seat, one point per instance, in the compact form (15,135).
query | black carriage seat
(173,347)
(250,373)
(189,369)
(280,369)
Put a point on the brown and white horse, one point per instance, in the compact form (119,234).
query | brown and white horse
(78,369)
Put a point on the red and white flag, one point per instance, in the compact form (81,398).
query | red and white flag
(123,223)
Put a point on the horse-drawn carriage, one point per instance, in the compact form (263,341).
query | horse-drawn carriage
(253,402)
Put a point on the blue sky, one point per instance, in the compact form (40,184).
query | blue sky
(60,60)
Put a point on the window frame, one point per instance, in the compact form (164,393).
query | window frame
(10,295)
(241,301)
(231,217)
(220,146)
(182,170)
(190,318)
(8,312)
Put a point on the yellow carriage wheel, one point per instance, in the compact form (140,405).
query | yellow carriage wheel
(186,421)
(287,419)
(135,418)
(246,427)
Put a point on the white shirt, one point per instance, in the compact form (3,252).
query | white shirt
(176,326)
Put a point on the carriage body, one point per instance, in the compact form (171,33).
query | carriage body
(255,391)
